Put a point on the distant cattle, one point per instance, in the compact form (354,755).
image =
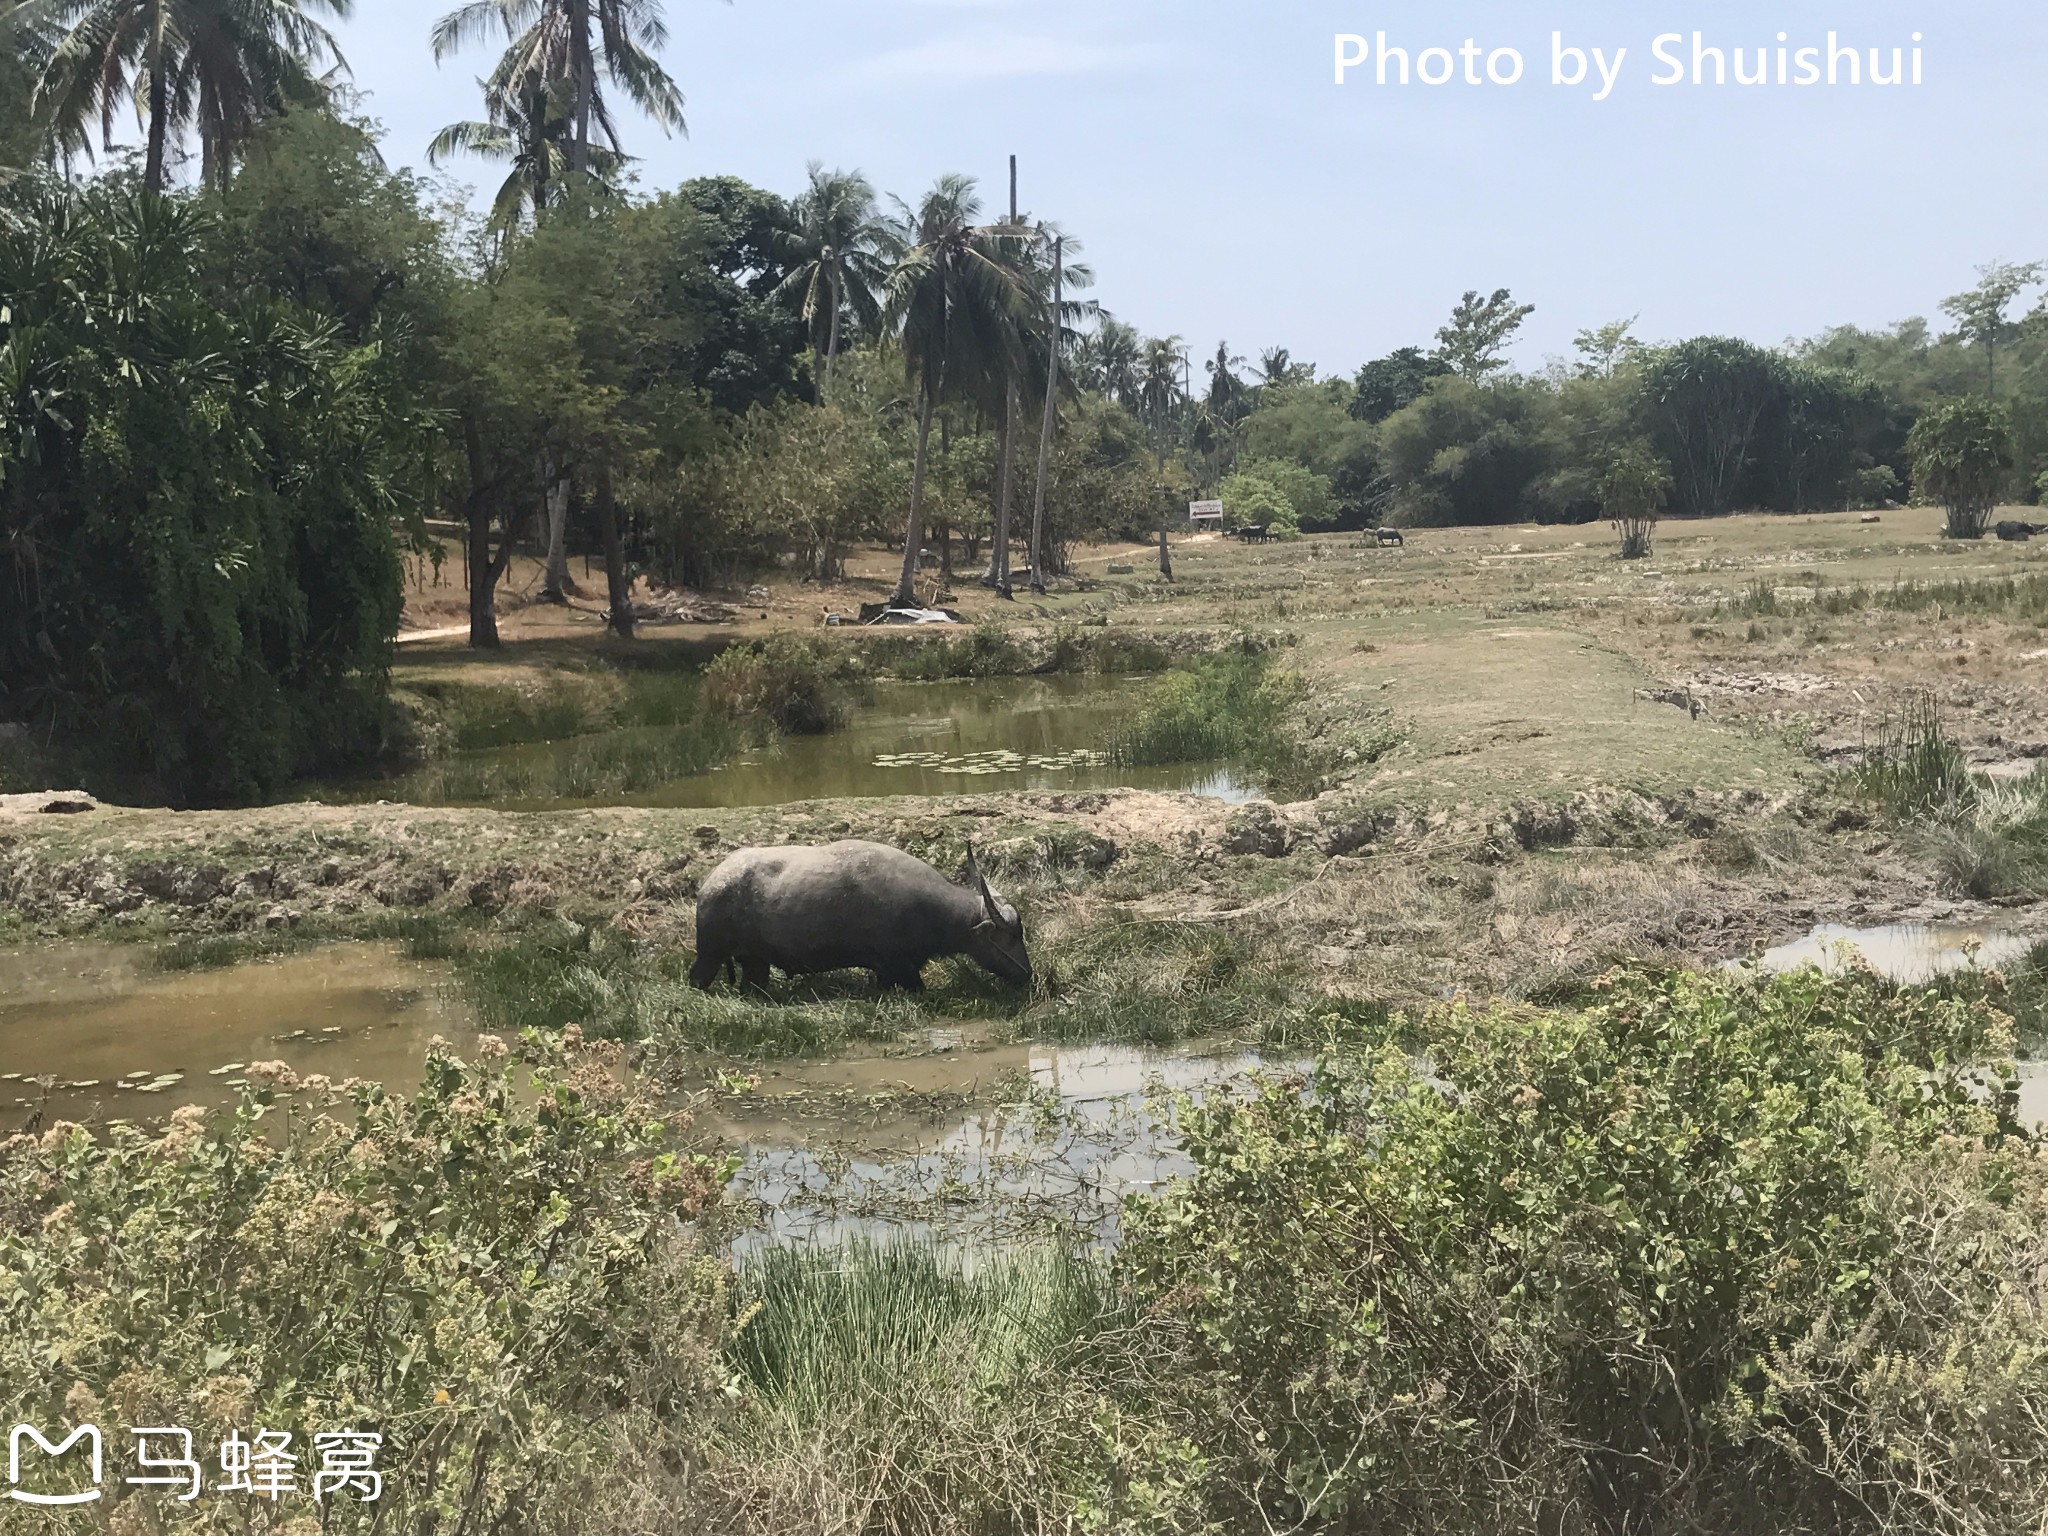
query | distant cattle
(1255,533)
(2015,532)
(1389,536)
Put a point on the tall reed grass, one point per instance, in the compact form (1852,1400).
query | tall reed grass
(1989,838)
(1227,707)
(895,1389)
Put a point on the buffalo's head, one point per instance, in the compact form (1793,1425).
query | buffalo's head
(997,942)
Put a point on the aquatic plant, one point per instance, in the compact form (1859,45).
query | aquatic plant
(1225,707)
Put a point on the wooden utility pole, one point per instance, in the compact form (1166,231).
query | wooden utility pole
(1052,384)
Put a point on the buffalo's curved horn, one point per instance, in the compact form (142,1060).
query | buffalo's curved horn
(990,901)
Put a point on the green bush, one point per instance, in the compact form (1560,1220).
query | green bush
(201,505)
(1962,454)
(1251,501)
(986,650)
(490,1277)
(791,683)
(1230,706)
(1717,1253)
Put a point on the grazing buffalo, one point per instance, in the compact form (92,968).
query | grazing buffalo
(850,906)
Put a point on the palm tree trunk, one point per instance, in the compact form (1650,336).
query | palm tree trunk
(998,575)
(832,338)
(1052,384)
(483,576)
(586,86)
(159,106)
(618,590)
(913,537)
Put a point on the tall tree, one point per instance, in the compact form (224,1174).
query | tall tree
(216,66)
(1979,312)
(1228,400)
(1119,357)
(956,294)
(1161,389)
(1479,328)
(1388,384)
(1605,348)
(575,41)
(530,130)
(838,254)
(1706,399)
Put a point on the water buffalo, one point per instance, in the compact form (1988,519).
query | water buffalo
(850,906)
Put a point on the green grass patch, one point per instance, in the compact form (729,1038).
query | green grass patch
(1989,838)
(1911,766)
(928,1395)
(217,951)
(839,1330)
(794,684)
(1228,707)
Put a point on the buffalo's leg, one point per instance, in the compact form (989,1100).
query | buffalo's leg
(910,979)
(755,973)
(704,970)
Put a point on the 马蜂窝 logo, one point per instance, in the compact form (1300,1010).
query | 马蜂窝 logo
(21,1432)
(164,1458)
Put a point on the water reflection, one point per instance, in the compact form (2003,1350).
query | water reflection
(123,1039)
(1909,953)
(1095,1127)
(947,738)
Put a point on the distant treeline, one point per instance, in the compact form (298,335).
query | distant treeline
(231,409)
(1451,436)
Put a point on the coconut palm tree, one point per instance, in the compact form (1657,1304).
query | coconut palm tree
(1119,358)
(217,66)
(960,306)
(1227,400)
(531,131)
(575,41)
(839,258)
(1160,389)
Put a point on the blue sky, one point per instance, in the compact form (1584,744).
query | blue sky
(1226,188)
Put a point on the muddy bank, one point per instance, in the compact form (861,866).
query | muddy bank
(1374,897)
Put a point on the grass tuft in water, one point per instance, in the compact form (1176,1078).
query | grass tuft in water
(217,951)
(1989,839)
(790,683)
(1224,708)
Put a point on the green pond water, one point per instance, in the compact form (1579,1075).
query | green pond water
(946,738)
(93,1032)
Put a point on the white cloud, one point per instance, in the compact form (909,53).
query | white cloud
(1004,56)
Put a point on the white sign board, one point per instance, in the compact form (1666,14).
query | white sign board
(1200,510)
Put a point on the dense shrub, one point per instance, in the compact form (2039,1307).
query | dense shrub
(199,502)
(788,682)
(1715,1253)
(486,1276)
